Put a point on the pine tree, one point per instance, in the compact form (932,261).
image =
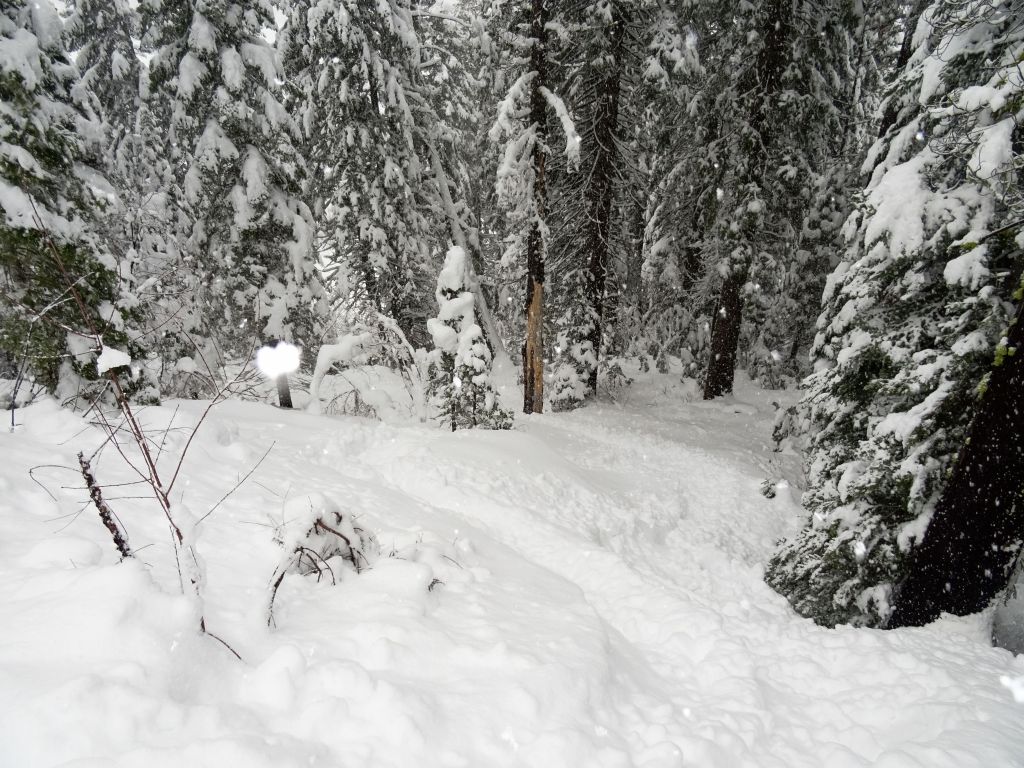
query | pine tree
(604,65)
(775,116)
(974,537)
(577,358)
(354,69)
(102,31)
(47,182)
(134,224)
(522,122)
(683,173)
(461,371)
(912,316)
(839,81)
(247,248)
(451,105)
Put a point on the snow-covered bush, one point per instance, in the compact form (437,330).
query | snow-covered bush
(611,376)
(376,362)
(319,538)
(460,368)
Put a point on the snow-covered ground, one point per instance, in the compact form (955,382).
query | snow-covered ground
(584,591)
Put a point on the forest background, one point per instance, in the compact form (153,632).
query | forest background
(821,193)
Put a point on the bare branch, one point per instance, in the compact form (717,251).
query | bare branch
(239,483)
(106,515)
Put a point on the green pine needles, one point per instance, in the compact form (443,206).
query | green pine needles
(46,192)
(913,317)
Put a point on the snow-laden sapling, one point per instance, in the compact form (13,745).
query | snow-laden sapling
(319,538)
(111,363)
(460,372)
(576,355)
(460,369)
(368,349)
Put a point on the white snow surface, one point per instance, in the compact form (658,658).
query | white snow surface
(598,603)
(110,358)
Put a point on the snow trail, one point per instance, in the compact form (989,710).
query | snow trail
(585,590)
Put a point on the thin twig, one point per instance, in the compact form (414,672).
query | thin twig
(222,642)
(46,466)
(163,440)
(73,515)
(275,585)
(217,399)
(239,483)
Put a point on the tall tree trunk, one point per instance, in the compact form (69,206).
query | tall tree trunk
(725,337)
(974,536)
(533,347)
(602,187)
(892,104)
(634,267)
(765,82)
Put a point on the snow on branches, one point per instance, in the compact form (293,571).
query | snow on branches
(460,373)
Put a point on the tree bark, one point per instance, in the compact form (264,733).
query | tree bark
(106,514)
(533,347)
(892,105)
(602,187)
(284,393)
(765,82)
(725,337)
(974,537)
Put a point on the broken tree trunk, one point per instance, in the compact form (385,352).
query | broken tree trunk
(533,347)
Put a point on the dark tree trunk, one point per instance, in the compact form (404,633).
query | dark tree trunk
(284,393)
(370,280)
(634,268)
(765,81)
(725,337)
(970,546)
(602,186)
(533,347)
(892,106)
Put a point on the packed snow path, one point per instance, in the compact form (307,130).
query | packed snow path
(598,602)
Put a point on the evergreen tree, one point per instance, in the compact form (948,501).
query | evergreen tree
(236,175)
(774,107)
(912,316)
(48,181)
(135,223)
(521,130)
(102,31)
(842,70)
(604,64)
(461,371)
(451,106)
(380,190)
(683,174)
(974,537)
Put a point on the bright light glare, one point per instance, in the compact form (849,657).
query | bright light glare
(279,360)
